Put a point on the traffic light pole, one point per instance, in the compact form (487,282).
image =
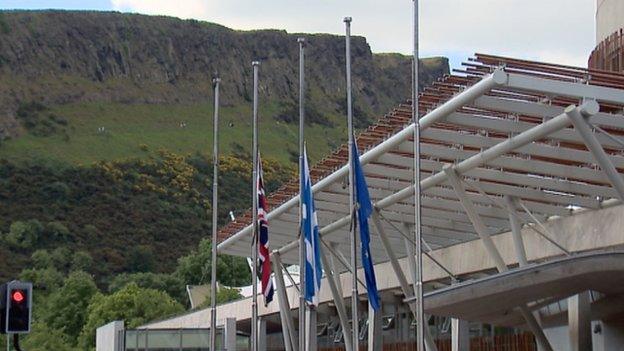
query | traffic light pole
(16,344)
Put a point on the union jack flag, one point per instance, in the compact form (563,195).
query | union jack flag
(264,264)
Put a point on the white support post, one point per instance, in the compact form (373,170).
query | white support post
(579,322)
(516,230)
(311,342)
(375,340)
(333,266)
(474,217)
(396,267)
(460,336)
(262,335)
(230,334)
(583,128)
(411,262)
(491,249)
(393,259)
(334,284)
(288,325)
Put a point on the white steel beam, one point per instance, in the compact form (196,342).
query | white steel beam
(288,325)
(516,231)
(536,149)
(336,291)
(396,267)
(492,251)
(556,87)
(511,126)
(495,79)
(523,107)
(581,125)
(480,227)
(398,271)
(536,133)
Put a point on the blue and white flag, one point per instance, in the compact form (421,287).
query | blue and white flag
(364,210)
(310,231)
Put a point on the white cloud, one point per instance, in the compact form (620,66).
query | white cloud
(553,30)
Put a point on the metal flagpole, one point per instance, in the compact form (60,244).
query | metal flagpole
(418,288)
(302,257)
(215,199)
(254,249)
(354,289)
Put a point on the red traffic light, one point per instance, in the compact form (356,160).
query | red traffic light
(17,296)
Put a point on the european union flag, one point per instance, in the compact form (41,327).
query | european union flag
(364,210)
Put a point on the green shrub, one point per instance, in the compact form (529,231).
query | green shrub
(24,234)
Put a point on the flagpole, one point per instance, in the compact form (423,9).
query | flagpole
(215,199)
(354,289)
(254,249)
(418,289)
(302,256)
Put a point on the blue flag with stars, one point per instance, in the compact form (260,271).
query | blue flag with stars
(364,210)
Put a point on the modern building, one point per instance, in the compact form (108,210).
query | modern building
(522,218)
(609,51)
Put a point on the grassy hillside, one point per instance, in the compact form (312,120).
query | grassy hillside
(115,131)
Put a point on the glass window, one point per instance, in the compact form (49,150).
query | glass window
(163,340)
(131,340)
(196,340)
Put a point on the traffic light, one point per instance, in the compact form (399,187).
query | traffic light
(16,307)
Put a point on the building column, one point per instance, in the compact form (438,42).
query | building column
(375,340)
(229,337)
(579,322)
(262,335)
(460,335)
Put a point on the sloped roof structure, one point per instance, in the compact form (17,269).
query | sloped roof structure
(548,136)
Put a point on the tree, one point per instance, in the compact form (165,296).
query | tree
(44,338)
(195,268)
(66,308)
(132,304)
(168,283)
(41,259)
(57,231)
(24,234)
(82,261)
(223,295)
(61,258)
(45,281)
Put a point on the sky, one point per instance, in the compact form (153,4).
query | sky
(559,31)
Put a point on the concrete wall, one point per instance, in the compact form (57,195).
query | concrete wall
(609,18)
(107,337)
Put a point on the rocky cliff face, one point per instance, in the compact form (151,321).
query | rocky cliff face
(58,57)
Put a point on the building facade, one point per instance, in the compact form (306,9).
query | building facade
(608,53)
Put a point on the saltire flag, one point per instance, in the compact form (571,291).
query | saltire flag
(310,230)
(364,210)
(264,264)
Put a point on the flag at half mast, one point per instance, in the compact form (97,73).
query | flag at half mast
(264,264)
(364,210)
(310,231)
